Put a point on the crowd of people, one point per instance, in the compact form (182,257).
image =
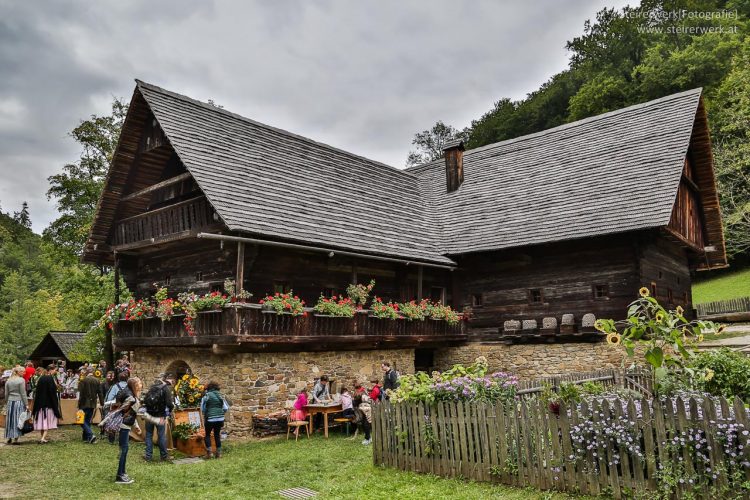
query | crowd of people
(33,395)
(357,407)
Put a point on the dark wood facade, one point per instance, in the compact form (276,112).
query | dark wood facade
(154,220)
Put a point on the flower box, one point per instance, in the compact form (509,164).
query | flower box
(193,447)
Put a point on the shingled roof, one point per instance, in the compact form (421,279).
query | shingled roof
(58,343)
(610,173)
(266,181)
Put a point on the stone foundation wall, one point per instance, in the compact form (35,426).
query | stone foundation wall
(533,361)
(263,382)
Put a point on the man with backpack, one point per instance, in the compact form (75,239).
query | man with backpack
(158,402)
(390,379)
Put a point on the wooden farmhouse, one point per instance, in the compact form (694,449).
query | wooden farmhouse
(531,238)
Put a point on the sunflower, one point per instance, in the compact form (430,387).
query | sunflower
(97,373)
(613,338)
(599,325)
(644,292)
(191,399)
(680,310)
(659,316)
(201,387)
(708,375)
(700,337)
(193,383)
(185,377)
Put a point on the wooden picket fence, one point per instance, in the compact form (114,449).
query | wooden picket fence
(638,379)
(738,305)
(522,443)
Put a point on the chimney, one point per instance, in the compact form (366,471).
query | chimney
(454,164)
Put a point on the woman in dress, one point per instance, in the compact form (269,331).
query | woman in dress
(46,404)
(17,402)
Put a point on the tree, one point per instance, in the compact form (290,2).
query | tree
(430,143)
(78,187)
(23,217)
(30,316)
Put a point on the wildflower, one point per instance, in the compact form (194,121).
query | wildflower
(613,338)
(680,310)
(659,316)
(644,292)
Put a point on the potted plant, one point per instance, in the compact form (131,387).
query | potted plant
(188,439)
(360,293)
(438,311)
(235,295)
(138,310)
(283,303)
(382,310)
(339,307)
(414,310)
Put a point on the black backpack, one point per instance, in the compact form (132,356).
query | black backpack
(154,401)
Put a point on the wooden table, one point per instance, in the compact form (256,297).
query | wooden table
(325,409)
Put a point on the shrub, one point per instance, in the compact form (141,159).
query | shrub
(725,373)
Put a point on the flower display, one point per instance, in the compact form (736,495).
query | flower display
(137,310)
(335,306)
(440,311)
(188,391)
(284,303)
(414,310)
(380,309)
(360,293)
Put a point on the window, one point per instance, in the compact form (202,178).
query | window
(536,296)
(167,280)
(670,297)
(653,289)
(199,276)
(661,275)
(601,291)
(477,300)
(281,287)
(437,294)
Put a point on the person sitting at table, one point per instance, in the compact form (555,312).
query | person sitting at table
(359,389)
(346,403)
(320,393)
(299,414)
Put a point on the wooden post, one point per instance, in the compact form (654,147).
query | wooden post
(354,274)
(109,351)
(240,277)
(420,270)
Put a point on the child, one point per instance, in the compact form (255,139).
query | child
(359,389)
(299,413)
(363,416)
(346,403)
(375,392)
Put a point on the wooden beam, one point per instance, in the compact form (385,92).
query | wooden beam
(109,351)
(157,241)
(420,272)
(157,186)
(240,277)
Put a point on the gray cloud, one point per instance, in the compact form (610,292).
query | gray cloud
(363,76)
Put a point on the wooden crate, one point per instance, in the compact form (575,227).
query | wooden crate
(193,447)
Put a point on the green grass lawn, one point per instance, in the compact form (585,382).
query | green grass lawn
(725,286)
(337,468)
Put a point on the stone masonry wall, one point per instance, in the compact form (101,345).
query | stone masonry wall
(531,361)
(262,382)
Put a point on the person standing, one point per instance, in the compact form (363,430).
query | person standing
(29,372)
(16,402)
(320,395)
(390,379)
(158,402)
(128,403)
(104,388)
(46,404)
(88,396)
(213,407)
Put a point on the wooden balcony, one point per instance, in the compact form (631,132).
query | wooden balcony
(164,224)
(243,327)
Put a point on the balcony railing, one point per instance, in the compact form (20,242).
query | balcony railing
(249,323)
(164,222)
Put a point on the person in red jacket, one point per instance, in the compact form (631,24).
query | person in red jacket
(375,391)
(30,371)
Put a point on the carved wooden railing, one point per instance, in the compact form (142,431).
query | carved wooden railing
(252,321)
(163,222)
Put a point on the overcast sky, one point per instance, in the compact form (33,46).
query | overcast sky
(360,75)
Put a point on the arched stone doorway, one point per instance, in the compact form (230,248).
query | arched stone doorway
(178,368)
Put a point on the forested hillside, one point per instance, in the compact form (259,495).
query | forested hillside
(634,55)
